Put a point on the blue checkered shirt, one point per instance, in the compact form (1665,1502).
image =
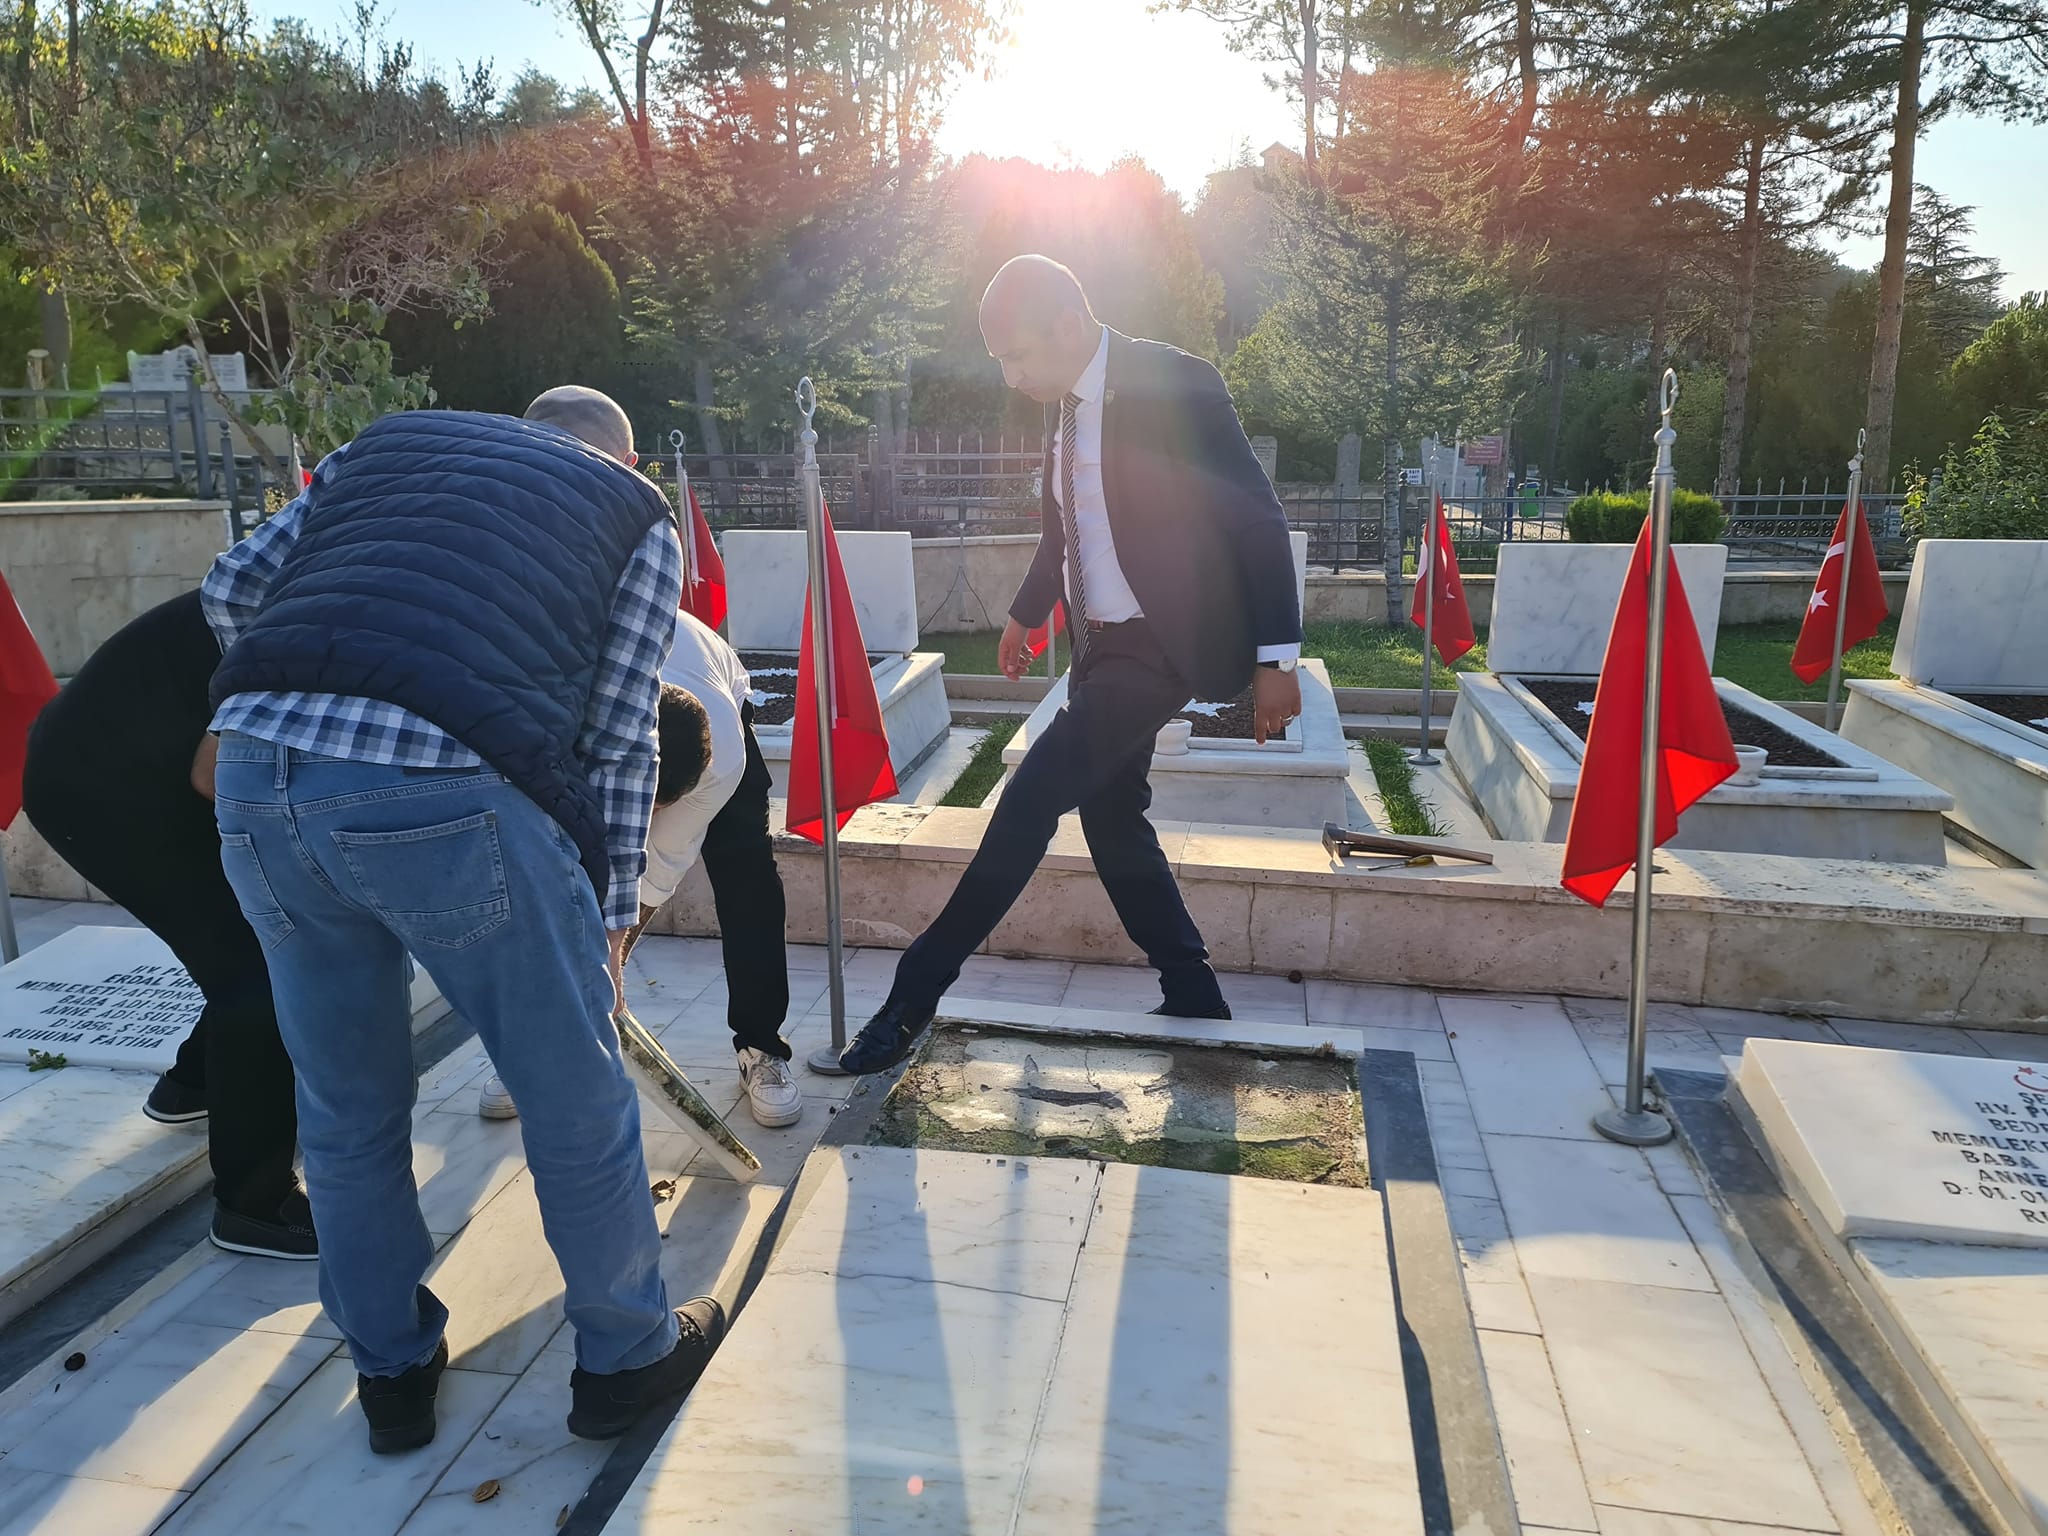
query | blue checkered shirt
(617,746)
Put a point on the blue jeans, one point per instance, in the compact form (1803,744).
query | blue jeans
(341,868)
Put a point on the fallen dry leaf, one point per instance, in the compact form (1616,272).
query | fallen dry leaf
(486,1491)
(663,1189)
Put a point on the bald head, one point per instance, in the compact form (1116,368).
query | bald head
(1036,321)
(589,414)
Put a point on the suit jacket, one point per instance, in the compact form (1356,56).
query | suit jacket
(1199,533)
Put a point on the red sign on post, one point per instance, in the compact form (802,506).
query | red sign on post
(1485,450)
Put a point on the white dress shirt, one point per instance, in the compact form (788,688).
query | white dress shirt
(1110,598)
(710,669)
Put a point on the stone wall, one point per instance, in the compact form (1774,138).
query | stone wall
(82,569)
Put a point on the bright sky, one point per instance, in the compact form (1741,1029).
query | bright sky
(1085,82)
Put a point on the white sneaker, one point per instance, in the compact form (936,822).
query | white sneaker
(494,1103)
(772,1094)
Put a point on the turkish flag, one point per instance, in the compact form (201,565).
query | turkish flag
(1694,750)
(1436,576)
(861,773)
(703,570)
(1035,641)
(25,687)
(1815,652)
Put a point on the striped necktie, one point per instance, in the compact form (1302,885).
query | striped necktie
(1070,442)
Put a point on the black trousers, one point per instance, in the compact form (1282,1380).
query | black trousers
(156,851)
(1096,757)
(739,861)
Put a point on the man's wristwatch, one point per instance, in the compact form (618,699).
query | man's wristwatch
(1288,665)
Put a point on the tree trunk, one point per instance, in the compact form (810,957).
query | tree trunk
(24,60)
(56,326)
(707,422)
(1525,67)
(1310,85)
(1891,283)
(1343,86)
(1735,407)
(1393,539)
(1554,439)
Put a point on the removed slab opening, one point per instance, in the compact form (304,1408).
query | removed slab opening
(1206,1108)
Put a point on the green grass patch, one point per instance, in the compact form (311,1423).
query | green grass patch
(983,772)
(1408,814)
(1366,655)
(974,655)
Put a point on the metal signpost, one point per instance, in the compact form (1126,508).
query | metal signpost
(1426,576)
(1633,1124)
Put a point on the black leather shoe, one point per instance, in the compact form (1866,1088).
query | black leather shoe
(401,1408)
(174,1103)
(1219,1010)
(603,1407)
(887,1039)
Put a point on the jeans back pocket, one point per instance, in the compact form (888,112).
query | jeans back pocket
(239,863)
(441,887)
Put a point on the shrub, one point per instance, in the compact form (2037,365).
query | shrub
(1616,517)
(1997,488)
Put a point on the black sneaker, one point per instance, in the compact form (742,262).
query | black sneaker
(288,1234)
(174,1103)
(1171,1011)
(605,1407)
(401,1408)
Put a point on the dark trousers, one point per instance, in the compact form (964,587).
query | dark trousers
(1095,756)
(739,861)
(158,855)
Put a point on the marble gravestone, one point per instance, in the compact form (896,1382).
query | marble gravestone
(767,572)
(1901,1144)
(1976,616)
(98,997)
(1553,604)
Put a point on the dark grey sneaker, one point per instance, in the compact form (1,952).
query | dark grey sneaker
(174,1103)
(287,1234)
(401,1408)
(605,1407)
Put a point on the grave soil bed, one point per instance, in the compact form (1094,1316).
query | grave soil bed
(773,673)
(1563,696)
(1231,720)
(1209,1109)
(2028,709)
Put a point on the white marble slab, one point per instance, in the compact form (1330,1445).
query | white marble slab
(526,1448)
(1543,1463)
(1200,1386)
(1590,1210)
(309,1469)
(173,1408)
(1525,1071)
(47,1504)
(767,571)
(1901,1144)
(916,717)
(1553,604)
(1976,615)
(1977,1320)
(99,997)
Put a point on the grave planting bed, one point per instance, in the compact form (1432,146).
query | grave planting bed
(773,674)
(1570,700)
(1230,720)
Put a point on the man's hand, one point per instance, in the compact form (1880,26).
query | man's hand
(619,937)
(1276,699)
(1012,655)
(202,764)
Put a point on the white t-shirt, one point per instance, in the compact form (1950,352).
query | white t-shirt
(709,668)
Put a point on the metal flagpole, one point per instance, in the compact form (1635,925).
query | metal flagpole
(1849,527)
(1426,572)
(684,521)
(1634,1125)
(826,1058)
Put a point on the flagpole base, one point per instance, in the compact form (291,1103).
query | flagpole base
(1425,758)
(1645,1128)
(825,1062)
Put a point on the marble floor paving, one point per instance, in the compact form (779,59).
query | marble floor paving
(936,1325)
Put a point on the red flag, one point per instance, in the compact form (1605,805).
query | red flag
(703,570)
(25,687)
(1437,571)
(1815,652)
(1035,641)
(1694,750)
(861,773)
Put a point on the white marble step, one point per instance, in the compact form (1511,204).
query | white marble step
(954,1342)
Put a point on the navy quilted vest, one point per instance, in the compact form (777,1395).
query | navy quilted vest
(461,566)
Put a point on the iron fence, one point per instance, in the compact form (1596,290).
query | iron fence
(1768,527)
(760,490)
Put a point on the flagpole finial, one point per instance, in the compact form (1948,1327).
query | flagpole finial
(676,440)
(806,408)
(1856,464)
(1667,435)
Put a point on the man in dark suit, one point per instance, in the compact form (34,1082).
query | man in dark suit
(1184,586)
